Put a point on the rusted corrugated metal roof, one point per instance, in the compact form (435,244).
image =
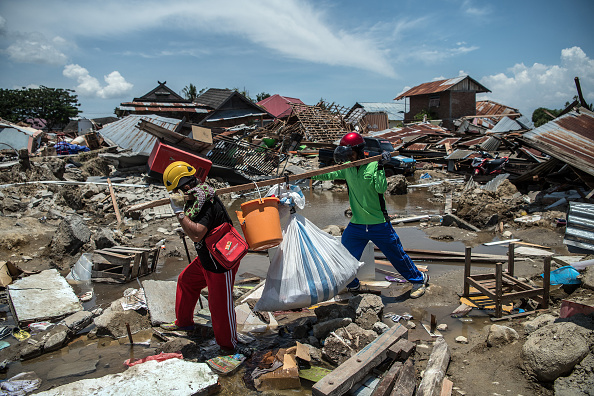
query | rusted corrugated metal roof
(417,147)
(569,138)
(488,107)
(476,141)
(163,107)
(457,83)
(395,134)
(125,134)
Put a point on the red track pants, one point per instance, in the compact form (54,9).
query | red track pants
(220,301)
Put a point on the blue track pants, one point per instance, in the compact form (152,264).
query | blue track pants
(356,236)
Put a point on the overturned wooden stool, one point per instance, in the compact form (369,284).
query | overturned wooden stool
(121,264)
(501,287)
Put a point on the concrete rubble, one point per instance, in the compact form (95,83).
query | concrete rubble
(71,213)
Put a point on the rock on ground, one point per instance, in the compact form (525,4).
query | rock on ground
(554,350)
(580,382)
(501,335)
(538,322)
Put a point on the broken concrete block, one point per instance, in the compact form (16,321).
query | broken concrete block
(175,377)
(160,298)
(56,338)
(112,322)
(70,235)
(538,322)
(78,321)
(46,296)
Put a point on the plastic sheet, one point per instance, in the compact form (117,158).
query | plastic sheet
(309,266)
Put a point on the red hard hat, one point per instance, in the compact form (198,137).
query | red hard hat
(352,139)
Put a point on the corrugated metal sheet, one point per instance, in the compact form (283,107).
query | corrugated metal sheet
(506,124)
(488,107)
(395,111)
(461,83)
(491,144)
(395,135)
(163,107)
(569,138)
(580,226)
(525,122)
(451,141)
(459,154)
(474,142)
(493,184)
(125,134)
(417,147)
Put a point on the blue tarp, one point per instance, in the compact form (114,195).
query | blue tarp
(564,276)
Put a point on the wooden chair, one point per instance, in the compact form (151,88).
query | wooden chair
(501,287)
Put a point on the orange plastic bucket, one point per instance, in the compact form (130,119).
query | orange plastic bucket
(260,223)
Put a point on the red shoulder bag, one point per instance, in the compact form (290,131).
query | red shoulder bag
(226,245)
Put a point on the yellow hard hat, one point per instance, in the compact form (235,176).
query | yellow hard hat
(175,171)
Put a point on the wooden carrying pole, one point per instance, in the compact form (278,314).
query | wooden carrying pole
(270,182)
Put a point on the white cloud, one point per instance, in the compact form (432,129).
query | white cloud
(292,29)
(36,48)
(89,86)
(550,86)
(473,10)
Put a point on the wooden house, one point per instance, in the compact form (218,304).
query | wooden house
(444,99)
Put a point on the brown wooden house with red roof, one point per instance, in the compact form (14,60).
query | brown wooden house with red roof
(444,99)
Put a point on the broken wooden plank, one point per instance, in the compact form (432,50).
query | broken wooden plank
(436,368)
(446,387)
(386,384)
(263,183)
(406,382)
(401,350)
(339,381)
(113,200)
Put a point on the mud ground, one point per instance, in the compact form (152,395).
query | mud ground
(475,369)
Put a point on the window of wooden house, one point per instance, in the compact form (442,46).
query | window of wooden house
(434,101)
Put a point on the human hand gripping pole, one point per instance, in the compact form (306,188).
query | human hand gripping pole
(177,202)
(386,157)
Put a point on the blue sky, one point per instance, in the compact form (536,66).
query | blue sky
(526,52)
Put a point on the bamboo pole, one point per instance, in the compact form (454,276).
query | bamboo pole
(264,183)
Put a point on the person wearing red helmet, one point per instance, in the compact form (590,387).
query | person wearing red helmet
(366,186)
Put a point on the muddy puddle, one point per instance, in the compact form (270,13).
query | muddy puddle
(96,357)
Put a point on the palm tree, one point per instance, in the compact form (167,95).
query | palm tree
(190,92)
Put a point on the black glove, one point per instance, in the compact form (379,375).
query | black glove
(386,158)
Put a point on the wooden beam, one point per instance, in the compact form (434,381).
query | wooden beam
(264,183)
(385,386)
(436,368)
(113,200)
(340,380)
(407,381)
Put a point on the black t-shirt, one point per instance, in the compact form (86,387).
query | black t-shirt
(211,215)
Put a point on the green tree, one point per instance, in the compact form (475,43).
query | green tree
(190,92)
(421,115)
(54,105)
(262,96)
(543,115)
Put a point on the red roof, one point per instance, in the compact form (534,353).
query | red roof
(278,105)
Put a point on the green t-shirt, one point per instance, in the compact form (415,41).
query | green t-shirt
(367,185)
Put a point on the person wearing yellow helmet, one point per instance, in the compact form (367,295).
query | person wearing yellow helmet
(198,210)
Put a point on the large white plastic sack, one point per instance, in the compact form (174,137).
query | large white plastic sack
(310,266)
